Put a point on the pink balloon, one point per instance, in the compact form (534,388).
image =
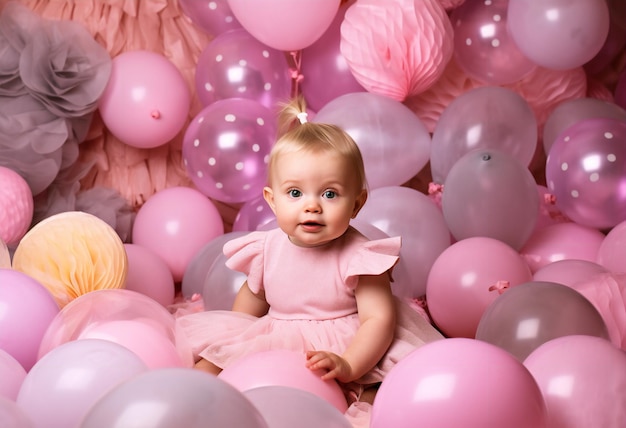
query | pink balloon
(570,112)
(466,278)
(397,49)
(174,224)
(213,17)
(325,69)
(568,272)
(531,314)
(284,25)
(405,212)
(12,374)
(152,346)
(28,309)
(282,368)
(145,109)
(459,383)
(252,215)
(561,241)
(148,274)
(582,379)
(236,65)
(113,305)
(490,193)
(612,251)
(558,34)
(482,45)
(225,148)
(285,407)
(489,117)
(615,41)
(61,387)
(585,171)
(12,415)
(174,397)
(393,141)
(16,207)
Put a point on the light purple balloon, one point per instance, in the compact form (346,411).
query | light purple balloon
(394,142)
(221,285)
(570,112)
(236,65)
(405,212)
(213,16)
(489,193)
(585,171)
(12,374)
(559,34)
(252,215)
(483,47)
(487,117)
(225,149)
(568,272)
(28,309)
(325,70)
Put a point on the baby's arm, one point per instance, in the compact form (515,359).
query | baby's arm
(248,302)
(373,338)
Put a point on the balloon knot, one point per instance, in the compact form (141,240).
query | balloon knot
(435,188)
(549,198)
(155,114)
(500,286)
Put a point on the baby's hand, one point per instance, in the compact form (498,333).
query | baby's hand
(335,366)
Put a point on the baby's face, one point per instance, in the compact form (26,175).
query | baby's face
(314,196)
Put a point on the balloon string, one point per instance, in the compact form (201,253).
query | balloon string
(296,74)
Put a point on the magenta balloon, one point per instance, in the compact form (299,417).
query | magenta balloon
(458,287)
(325,70)
(236,65)
(459,382)
(145,109)
(174,224)
(582,379)
(568,272)
(214,17)
(252,215)
(483,48)
(489,117)
(559,34)
(282,368)
(585,171)
(175,397)
(286,407)
(28,309)
(561,241)
(489,193)
(394,142)
(61,388)
(149,274)
(225,148)
(284,25)
(405,212)
(612,251)
(570,112)
(526,316)
(199,267)
(12,374)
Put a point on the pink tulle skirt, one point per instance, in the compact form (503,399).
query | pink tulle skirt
(223,337)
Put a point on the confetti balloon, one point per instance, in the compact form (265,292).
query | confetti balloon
(226,146)
(72,253)
(16,207)
(585,171)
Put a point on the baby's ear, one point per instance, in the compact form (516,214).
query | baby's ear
(268,195)
(359,202)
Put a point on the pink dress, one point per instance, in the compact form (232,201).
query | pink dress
(311,296)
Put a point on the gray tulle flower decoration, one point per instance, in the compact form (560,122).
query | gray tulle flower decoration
(52,75)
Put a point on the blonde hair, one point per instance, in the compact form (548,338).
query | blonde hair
(296,133)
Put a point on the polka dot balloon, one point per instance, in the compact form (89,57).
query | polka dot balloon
(586,171)
(226,148)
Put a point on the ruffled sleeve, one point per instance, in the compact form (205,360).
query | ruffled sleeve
(372,258)
(245,254)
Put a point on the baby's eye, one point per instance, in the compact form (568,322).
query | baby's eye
(330,194)
(294,193)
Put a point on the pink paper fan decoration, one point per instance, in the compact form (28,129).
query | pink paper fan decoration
(397,48)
